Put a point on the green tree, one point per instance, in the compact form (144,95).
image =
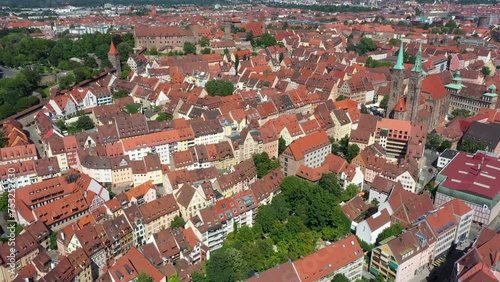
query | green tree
(66,81)
(84,123)
(249,36)
(364,245)
(125,72)
(340,278)
(189,48)
(144,277)
(4,201)
(350,192)
(364,110)
(90,62)
(236,63)
(281,145)
(154,52)
(133,108)
(26,102)
(461,113)
(219,87)
(266,40)
(264,164)
(446,144)
(330,182)
(433,141)
(341,98)
(125,50)
(178,222)
(451,24)
(3,141)
(206,51)
(470,146)
(394,42)
(120,94)
(162,117)
(174,278)
(204,41)
(225,265)
(352,151)
(53,241)
(365,45)
(371,63)
(281,57)
(383,103)
(485,71)
(394,230)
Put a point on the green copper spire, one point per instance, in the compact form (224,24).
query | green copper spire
(399,63)
(418,60)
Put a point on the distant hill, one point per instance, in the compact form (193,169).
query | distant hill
(57,3)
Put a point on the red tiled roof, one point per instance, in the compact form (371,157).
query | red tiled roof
(329,259)
(298,148)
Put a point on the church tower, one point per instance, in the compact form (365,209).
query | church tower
(114,58)
(397,86)
(415,88)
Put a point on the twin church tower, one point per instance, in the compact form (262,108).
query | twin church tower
(400,105)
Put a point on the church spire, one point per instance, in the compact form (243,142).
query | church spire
(418,60)
(399,63)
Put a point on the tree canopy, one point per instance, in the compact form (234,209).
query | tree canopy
(461,113)
(365,45)
(219,88)
(178,222)
(485,70)
(371,63)
(204,41)
(394,230)
(20,49)
(189,48)
(266,40)
(435,142)
(264,164)
(144,277)
(344,149)
(84,123)
(281,145)
(470,146)
(286,229)
(383,103)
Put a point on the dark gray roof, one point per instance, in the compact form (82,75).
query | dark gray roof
(488,133)
(449,154)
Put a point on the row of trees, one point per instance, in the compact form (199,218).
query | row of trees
(288,228)
(436,142)
(21,50)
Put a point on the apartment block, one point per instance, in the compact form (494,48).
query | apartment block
(212,224)
(402,258)
(310,151)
